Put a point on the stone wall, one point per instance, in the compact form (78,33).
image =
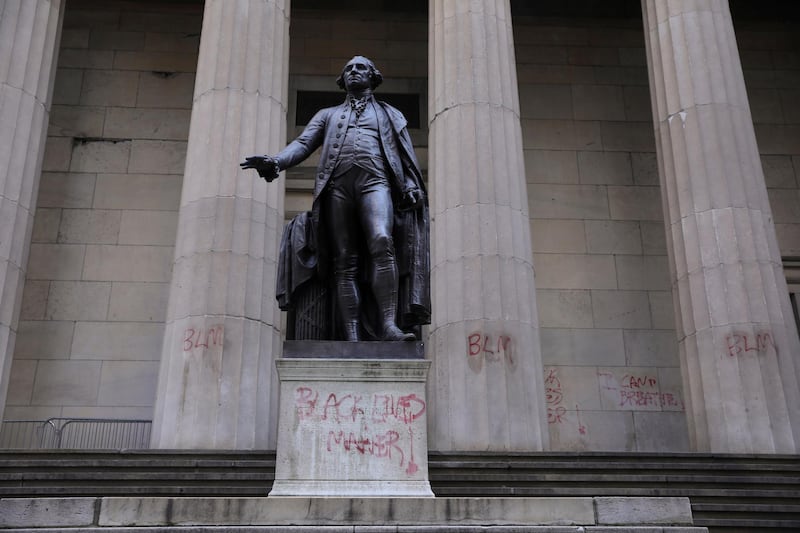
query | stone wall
(608,342)
(102,246)
(771,62)
(612,374)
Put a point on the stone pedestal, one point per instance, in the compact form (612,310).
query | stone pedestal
(352,428)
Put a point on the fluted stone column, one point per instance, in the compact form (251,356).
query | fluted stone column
(738,342)
(29,37)
(217,387)
(486,390)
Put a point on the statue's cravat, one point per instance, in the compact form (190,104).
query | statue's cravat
(358,104)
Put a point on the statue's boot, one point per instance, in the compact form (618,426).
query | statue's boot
(385,290)
(392,333)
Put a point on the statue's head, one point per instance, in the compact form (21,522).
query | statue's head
(359,73)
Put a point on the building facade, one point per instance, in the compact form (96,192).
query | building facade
(614,191)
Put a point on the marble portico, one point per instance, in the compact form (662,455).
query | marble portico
(738,342)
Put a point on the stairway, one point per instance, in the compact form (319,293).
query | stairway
(728,493)
(135,473)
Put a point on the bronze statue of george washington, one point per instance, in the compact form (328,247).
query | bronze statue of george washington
(367,235)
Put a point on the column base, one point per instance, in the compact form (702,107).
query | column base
(352,428)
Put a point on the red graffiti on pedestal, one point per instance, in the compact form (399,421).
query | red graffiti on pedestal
(364,426)
(406,408)
(581,427)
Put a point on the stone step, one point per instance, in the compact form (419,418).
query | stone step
(368,514)
(728,491)
(633,464)
(113,474)
(200,489)
(728,511)
(584,490)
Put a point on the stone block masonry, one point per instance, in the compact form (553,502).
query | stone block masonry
(104,233)
(599,251)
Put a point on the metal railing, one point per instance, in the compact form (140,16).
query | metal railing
(75,433)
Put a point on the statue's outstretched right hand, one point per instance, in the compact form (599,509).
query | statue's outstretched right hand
(266,166)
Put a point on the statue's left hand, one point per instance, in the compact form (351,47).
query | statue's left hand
(412,198)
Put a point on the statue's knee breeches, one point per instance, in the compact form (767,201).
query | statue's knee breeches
(381,245)
(345,264)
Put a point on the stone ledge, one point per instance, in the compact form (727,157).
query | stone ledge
(368,529)
(353,489)
(47,512)
(299,511)
(353,350)
(658,515)
(353,370)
